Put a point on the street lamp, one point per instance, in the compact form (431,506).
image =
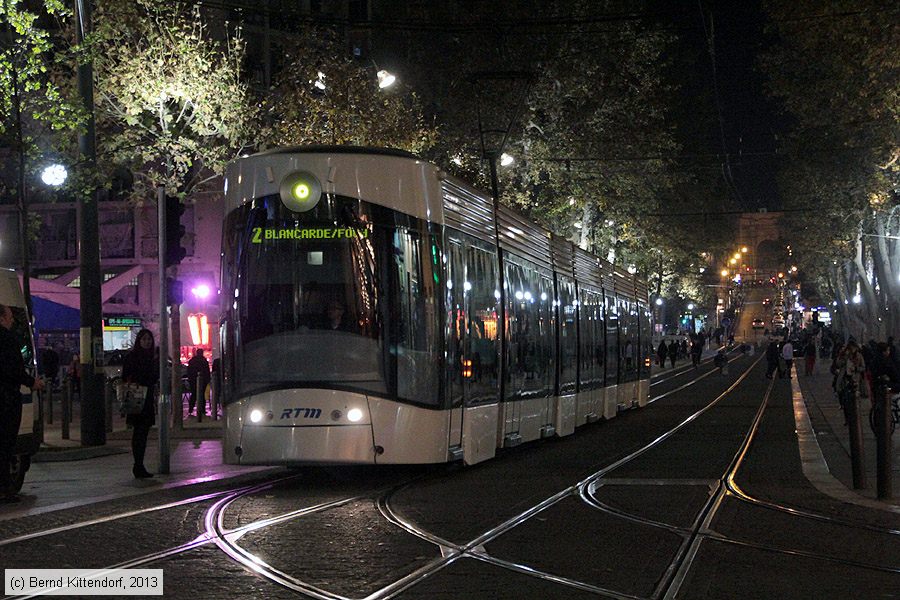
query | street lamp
(54,174)
(659,301)
(385,79)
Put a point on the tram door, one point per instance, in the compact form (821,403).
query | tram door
(473,348)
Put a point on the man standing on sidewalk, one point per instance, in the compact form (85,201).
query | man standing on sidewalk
(787,353)
(12,376)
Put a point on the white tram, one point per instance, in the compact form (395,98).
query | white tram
(368,317)
(31,429)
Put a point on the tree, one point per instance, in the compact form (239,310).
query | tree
(323,96)
(596,158)
(32,104)
(834,70)
(170,103)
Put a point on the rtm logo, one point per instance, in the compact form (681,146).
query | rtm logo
(308,413)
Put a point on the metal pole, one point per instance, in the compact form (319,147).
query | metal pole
(856,443)
(93,429)
(66,408)
(501,325)
(163,337)
(884,483)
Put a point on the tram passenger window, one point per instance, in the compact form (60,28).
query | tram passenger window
(481,300)
(529,302)
(591,339)
(414,319)
(568,343)
(612,341)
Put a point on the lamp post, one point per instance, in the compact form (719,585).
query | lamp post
(93,413)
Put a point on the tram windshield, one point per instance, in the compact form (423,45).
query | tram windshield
(308,306)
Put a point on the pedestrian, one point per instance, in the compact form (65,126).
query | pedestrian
(883,368)
(836,349)
(13,375)
(810,353)
(772,355)
(661,352)
(198,378)
(75,373)
(696,352)
(673,352)
(50,364)
(787,353)
(720,361)
(851,369)
(141,367)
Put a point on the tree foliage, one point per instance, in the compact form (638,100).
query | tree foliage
(596,156)
(835,71)
(34,104)
(170,102)
(323,96)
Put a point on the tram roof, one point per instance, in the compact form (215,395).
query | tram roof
(328,149)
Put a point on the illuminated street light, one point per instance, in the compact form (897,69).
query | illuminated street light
(54,174)
(506,160)
(385,79)
(733,261)
(691,306)
(744,249)
(724,272)
(857,299)
(659,301)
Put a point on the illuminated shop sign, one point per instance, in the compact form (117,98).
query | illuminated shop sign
(122,322)
(313,233)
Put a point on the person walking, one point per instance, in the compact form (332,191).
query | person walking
(809,352)
(13,375)
(787,353)
(771,359)
(696,352)
(720,361)
(851,370)
(672,352)
(141,367)
(198,378)
(661,352)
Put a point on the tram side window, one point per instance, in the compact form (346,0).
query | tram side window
(568,332)
(646,342)
(590,372)
(482,299)
(528,317)
(414,320)
(457,370)
(612,341)
(628,337)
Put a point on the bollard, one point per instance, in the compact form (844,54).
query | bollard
(883,483)
(108,395)
(856,443)
(199,400)
(66,407)
(49,402)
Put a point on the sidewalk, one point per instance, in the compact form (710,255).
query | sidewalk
(834,438)
(64,474)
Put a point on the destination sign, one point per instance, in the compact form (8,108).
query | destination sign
(261,234)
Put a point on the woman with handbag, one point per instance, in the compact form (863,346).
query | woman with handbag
(140,367)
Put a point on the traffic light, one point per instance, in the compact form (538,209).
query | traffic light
(174,231)
(174,291)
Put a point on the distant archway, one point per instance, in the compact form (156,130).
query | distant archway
(761,233)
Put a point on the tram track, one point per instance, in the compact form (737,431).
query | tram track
(447,552)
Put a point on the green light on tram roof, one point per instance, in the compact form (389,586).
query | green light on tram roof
(301,190)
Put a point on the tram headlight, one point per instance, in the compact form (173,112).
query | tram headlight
(354,415)
(256,415)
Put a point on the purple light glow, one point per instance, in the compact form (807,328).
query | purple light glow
(201,291)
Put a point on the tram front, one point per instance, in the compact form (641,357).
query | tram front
(330,335)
